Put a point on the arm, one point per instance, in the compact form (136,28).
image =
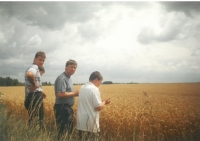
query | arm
(105,102)
(31,78)
(68,94)
(44,95)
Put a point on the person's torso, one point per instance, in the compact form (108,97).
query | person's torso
(87,116)
(34,69)
(63,83)
(89,98)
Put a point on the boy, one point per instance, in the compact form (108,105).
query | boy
(89,107)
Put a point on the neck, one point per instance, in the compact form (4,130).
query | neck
(94,82)
(67,74)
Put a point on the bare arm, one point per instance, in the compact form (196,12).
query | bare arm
(68,94)
(105,102)
(31,78)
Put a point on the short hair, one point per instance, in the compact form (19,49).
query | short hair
(71,62)
(95,75)
(40,54)
(41,68)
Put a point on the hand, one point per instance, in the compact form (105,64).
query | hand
(76,92)
(107,101)
(33,88)
(44,95)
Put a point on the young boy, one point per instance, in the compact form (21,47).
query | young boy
(89,107)
(34,94)
(42,70)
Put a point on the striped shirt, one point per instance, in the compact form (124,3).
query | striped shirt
(34,69)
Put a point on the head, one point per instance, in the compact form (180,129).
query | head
(41,69)
(39,58)
(96,78)
(70,67)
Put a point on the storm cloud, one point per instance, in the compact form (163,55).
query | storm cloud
(126,41)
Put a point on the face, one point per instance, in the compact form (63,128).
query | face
(70,69)
(39,61)
(41,72)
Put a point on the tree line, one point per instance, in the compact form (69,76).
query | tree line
(9,82)
(14,82)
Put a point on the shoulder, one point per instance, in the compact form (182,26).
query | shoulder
(62,77)
(33,68)
(92,87)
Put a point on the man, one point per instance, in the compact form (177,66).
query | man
(42,70)
(33,90)
(65,94)
(89,106)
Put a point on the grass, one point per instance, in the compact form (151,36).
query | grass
(12,128)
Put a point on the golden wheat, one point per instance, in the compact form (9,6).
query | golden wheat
(136,112)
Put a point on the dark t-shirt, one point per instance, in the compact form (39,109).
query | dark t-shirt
(63,83)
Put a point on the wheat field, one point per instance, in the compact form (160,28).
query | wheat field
(137,112)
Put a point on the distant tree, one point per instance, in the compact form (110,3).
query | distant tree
(15,82)
(49,83)
(8,82)
(132,83)
(21,84)
(44,83)
(107,82)
(2,81)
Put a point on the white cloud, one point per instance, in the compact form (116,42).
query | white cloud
(34,42)
(125,41)
(166,27)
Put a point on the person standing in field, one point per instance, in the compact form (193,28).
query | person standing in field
(42,70)
(89,107)
(64,93)
(33,90)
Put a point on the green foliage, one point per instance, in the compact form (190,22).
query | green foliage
(12,128)
(46,83)
(107,82)
(9,82)
(1,101)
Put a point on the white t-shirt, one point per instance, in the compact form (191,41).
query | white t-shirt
(87,116)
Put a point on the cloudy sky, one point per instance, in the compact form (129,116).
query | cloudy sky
(125,41)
